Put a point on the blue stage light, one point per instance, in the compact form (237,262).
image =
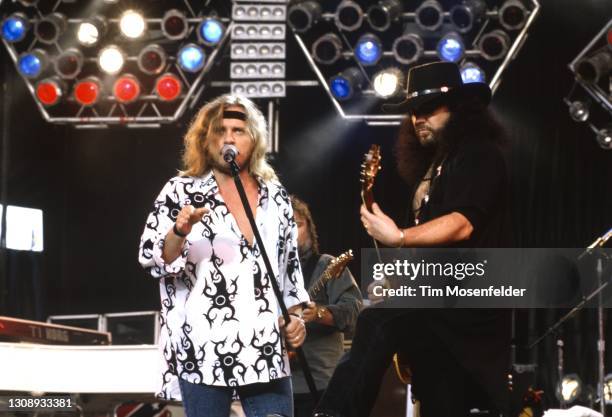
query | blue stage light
(344,85)
(191,58)
(31,64)
(472,73)
(368,49)
(451,47)
(211,31)
(14,27)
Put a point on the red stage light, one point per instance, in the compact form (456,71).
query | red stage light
(87,91)
(49,91)
(168,87)
(610,38)
(126,89)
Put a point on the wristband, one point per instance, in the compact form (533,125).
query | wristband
(295,315)
(401,242)
(178,232)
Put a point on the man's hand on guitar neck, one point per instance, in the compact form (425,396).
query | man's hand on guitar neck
(441,231)
(381,227)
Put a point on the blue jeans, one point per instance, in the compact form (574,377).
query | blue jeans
(258,400)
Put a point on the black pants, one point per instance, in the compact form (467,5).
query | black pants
(439,381)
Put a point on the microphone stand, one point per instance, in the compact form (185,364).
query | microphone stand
(602,284)
(247,209)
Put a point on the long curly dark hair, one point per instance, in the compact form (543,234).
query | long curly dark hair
(470,120)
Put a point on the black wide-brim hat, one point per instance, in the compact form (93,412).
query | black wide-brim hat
(437,81)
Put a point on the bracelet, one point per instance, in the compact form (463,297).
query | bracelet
(178,232)
(401,242)
(295,315)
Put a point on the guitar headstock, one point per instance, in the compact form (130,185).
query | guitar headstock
(337,265)
(369,170)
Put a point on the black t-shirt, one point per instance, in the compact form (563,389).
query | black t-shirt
(472,181)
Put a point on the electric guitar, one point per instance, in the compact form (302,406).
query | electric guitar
(333,271)
(369,169)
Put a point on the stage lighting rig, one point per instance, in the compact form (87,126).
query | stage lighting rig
(132,24)
(388,82)
(430,15)
(97,63)
(382,14)
(303,15)
(408,48)
(464,15)
(68,64)
(569,389)
(348,16)
(258,50)
(327,49)
(49,28)
(590,99)
(90,31)
(481,36)
(15,27)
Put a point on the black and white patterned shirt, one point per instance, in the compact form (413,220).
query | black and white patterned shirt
(218,310)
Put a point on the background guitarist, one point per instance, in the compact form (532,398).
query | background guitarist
(334,310)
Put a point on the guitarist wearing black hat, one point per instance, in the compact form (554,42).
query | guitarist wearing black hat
(449,153)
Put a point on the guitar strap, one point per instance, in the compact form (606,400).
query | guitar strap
(308,269)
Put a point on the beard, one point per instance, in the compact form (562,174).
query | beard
(427,136)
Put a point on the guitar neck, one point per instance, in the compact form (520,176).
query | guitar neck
(319,284)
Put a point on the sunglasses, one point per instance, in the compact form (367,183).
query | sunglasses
(428,107)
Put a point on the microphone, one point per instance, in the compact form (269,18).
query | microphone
(229,152)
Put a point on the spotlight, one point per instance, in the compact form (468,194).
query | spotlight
(87,91)
(494,45)
(408,48)
(382,14)
(472,73)
(48,29)
(15,27)
(579,111)
(69,63)
(49,91)
(465,14)
(257,70)
(368,49)
(174,25)
(608,378)
(512,15)
(569,389)
(126,89)
(388,82)
(32,64)
(264,31)
(258,50)
(132,24)
(593,68)
(210,31)
(604,139)
(111,59)
(28,3)
(302,16)
(349,16)
(91,31)
(327,49)
(152,59)
(609,38)
(451,47)
(429,15)
(191,58)
(168,87)
(259,89)
(344,85)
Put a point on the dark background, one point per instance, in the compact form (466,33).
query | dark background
(97,186)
